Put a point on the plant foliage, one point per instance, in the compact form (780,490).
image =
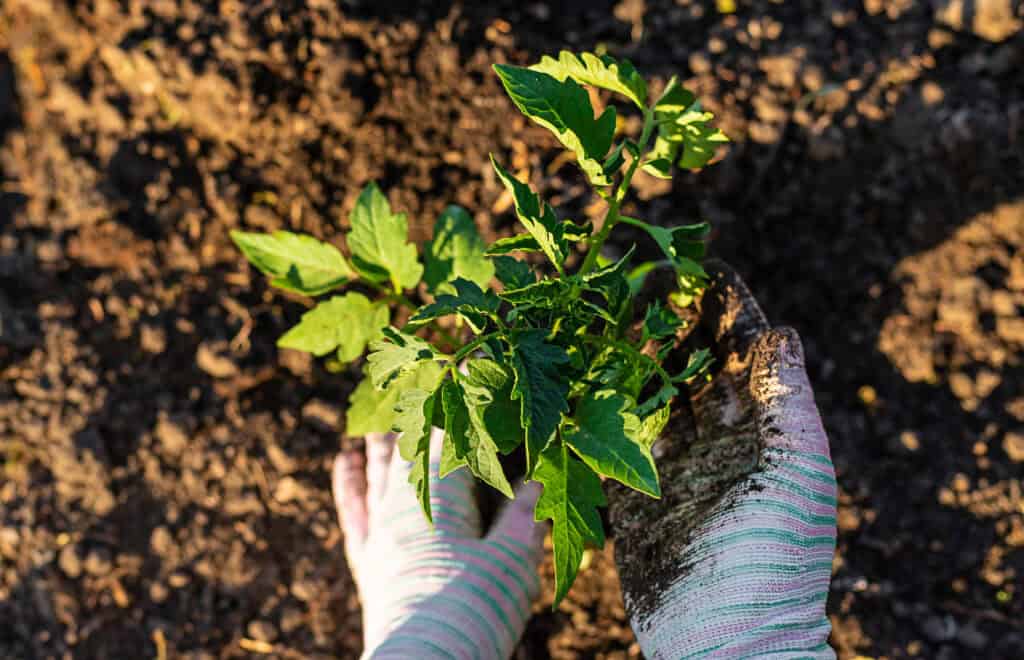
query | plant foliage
(547,356)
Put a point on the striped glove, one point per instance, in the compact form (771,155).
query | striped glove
(734,561)
(445,593)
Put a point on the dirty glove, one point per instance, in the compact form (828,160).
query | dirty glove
(734,561)
(442,593)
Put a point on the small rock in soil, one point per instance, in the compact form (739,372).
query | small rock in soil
(939,629)
(322,415)
(97,562)
(171,436)
(972,637)
(69,562)
(263,631)
(1013,445)
(213,363)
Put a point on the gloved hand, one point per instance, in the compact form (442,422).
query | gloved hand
(439,593)
(734,561)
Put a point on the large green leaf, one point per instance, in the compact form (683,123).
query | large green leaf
(604,436)
(598,70)
(347,323)
(563,107)
(373,411)
(378,240)
(414,413)
(537,216)
(477,450)
(456,251)
(487,387)
(295,262)
(540,387)
(572,493)
(398,355)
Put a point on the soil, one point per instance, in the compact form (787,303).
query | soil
(165,487)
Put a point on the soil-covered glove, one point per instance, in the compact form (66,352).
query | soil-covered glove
(734,561)
(441,593)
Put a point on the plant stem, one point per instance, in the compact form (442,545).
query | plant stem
(612,217)
(473,345)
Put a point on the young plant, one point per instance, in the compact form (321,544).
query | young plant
(543,363)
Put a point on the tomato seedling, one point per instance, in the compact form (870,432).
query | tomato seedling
(549,365)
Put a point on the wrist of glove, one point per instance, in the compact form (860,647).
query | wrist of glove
(735,559)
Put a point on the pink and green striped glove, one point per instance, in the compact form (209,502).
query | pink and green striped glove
(442,593)
(734,561)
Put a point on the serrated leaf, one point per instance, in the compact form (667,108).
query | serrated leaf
(413,415)
(456,251)
(399,354)
(469,302)
(476,449)
(660,322)
(700,142)
(540,387)
(603,437)
(346,323)
(572,493)
(660,398)
(563,107)
(373,411)
(684,246)
(545,293)
(617,370)
(537,216)
(513,273)
(698,362)
(295,262)
(652,425)
(493,412)
(571,232)
(378,240)
(610,282)
(598,70)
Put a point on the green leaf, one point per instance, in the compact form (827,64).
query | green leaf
(684,246)
(604,437)
(660,322)
(698,363)
(598,70)
(537,216)
(469,301)
(563,107)
(611,283)
(547,293)
(513,273)
(660,398)
(685,135)
(540,387)
(572,493)
(652,425)
(456,251)
(295,262)
(378,242)
(373,411)
(493,413)
(477,450)
(347,323)
(400,354)
(616,369)
(414,413)
(700,141)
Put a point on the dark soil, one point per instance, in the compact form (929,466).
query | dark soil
(164,489)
